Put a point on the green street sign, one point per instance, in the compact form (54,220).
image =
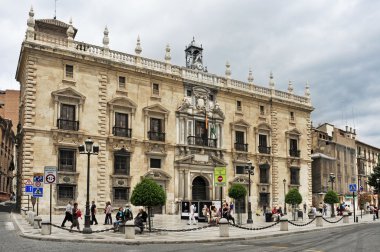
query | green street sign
(220,176)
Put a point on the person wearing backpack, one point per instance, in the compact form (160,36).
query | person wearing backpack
(128,212)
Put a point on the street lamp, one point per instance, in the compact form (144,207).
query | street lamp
(378,193)
(250,170)
(88,148)
(332,179)
(284,196)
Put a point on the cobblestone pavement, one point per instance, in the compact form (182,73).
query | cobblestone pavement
(166,224)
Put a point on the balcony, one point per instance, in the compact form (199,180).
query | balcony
(241,147)
(122,132)
(67,124)
(156,136)
(199,141)
(264,149)
(295,153)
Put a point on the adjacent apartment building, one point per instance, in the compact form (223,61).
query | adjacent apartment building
(7,165)
(154,119)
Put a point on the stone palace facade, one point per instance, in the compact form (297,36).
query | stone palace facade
(153,119)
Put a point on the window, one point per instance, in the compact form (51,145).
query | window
(238,106)
(188,93)
(294,176)
(155,163)
(262,110)
(291,115)
(240,141)
(240,169)
(122,163)
(122,82)
(69,71)
(264,174)
(66,120)
(211,97)
(156,132)
(263,144)
(121,125)
(156,89)
(293,148)
(121,194)
(264,199)
(66,192)
(66,160)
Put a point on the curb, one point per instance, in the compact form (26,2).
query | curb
(177,241)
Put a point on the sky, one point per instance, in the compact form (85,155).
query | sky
(332,44)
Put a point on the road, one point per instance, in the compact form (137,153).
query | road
(364,237)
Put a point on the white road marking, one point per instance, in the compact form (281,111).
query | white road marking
(9,226)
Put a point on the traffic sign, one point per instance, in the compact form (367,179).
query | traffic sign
(352,187)
(220,176)
(38,177)
(38,192)
(28,182)
(50,175)
(28,190)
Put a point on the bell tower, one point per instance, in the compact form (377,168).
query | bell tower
(194,56)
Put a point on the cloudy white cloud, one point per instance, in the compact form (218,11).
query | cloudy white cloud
(332,44)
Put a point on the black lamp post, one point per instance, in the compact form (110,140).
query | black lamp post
(250,170)
(378,193)
(332,179)
(284,196)
(88,148)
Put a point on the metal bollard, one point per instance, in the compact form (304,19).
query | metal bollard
(284,224)
(45,228)
(36,222)
(345,218)
(357,219)
(224,228)
(319,220)
(129,230)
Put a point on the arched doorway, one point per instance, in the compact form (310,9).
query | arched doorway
(200,189)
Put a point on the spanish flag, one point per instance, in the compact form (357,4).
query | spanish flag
(206,121)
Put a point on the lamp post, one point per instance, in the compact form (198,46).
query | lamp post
(284,196)
(250,170)
(332,179)
(378,193)
(88,148)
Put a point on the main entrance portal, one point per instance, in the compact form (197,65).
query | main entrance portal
(200,189)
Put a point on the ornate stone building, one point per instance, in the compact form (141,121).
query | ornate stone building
(154,119)
(7,165)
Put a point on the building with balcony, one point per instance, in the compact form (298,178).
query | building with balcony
(7,164)
(154,119)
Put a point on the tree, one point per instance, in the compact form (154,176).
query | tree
(149,194)
(331,197)
(237,192)
(294,198)
(363,199)
(372,179)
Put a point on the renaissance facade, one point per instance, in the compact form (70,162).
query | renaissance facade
(153,119)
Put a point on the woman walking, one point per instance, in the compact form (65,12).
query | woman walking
(108,212)
(76,214)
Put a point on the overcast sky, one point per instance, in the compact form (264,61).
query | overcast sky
(335,45)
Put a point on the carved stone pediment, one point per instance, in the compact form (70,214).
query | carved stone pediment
(294,162)
(264,159)
(240,157)
(157,174)
(123,102)
(201,159)
(155,148)
(69,178)
(263,127)
(68,93)
(242,179)
(293,132)
(121,181)
(157,108)
(116,143)
(240,123)
(67,138)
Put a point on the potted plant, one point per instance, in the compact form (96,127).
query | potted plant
(237,192)
(331,197)
(294,198)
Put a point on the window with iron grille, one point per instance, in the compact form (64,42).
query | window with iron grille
(240,169)
(294,176)
(69,71)
(156,89)
(155,163)
(264,199)
(262,110)
(263,140)
(121,82)
(66,160)
(122,163)
(66,119)
(121,194)
(238,106)
(66,192)
(264,174)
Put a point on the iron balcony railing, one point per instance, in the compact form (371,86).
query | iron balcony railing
(294,153)
(199,141)
(156,136)
(122,132)
(264,149)
(241,147)
(67,124)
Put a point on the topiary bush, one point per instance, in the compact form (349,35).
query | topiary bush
(331,197)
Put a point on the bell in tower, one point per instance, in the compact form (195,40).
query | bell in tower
(194,56)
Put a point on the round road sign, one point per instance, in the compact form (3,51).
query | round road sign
(37,184)
(220,178)
(50,178)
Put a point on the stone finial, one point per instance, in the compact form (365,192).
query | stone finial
(70,31)
(168,57)
(228,70)
(138,48)
(290,87)
(106,40)
(271,80)
(250,76)
(30,23)
(307,90)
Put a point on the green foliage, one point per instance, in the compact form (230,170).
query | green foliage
(331,197)
(148,193)
(237,191)
(293,197)
(364,198)
(375,175)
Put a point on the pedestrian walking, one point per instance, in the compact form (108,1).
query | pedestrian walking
(68,214)
(76,214)
(324,209)
(192,214)
(108,212)
(93,214)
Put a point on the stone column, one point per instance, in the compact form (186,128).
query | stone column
(319,220)
(284,224)
(186,182)
(224,228)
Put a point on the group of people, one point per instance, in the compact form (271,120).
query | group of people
(72,213)
(213,215)
(277,213)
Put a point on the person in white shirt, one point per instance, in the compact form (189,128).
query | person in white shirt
(68,214)
(192,214)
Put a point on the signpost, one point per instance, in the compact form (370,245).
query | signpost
(220,178)
(50,176)
(28,189)
(353,189)
(38,190)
